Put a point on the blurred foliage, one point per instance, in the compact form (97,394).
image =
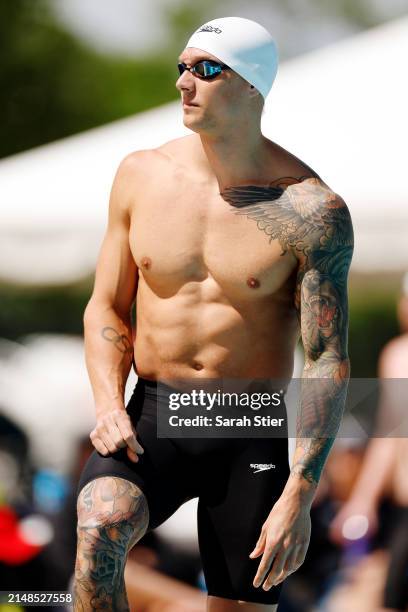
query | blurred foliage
(52,85)
(373,322)
(54,309)
(59,309)
(358,12)
(183,18)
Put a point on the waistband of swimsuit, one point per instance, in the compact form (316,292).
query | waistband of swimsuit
(161,389)
(155,387)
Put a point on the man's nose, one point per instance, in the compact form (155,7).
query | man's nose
(185,82)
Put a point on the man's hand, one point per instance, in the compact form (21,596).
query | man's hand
(283,542)
(113,431)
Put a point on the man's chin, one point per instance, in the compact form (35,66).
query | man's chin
(193,124)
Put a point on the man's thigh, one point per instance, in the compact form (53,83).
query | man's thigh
(231,512)
(161,472)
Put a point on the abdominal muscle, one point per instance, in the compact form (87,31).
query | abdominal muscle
(198,333)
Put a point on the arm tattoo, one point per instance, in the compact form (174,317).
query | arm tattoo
(120,341)
(313,223)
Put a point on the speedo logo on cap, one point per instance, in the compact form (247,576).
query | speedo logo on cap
(209,28)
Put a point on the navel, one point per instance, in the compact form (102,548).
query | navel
(198,366)
(253,282)
(146,263)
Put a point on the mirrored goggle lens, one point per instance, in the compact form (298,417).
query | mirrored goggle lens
(207,69)
(204,69)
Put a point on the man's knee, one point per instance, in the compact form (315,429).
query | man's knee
(112,510)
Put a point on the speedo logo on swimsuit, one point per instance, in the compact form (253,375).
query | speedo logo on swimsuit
(208,28)
(261,467)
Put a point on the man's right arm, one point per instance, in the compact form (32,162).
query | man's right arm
(107,321)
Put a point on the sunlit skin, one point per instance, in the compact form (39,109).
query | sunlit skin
(223,287)
(221,120)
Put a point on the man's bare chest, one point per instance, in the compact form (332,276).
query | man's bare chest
(178,237)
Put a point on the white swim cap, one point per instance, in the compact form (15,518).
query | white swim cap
(242,44)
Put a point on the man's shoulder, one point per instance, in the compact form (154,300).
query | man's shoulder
(139,160)
(312,196)
(320,220)
(306,190)
(177,145)
(145,159)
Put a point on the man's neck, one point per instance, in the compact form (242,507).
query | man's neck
(231,161)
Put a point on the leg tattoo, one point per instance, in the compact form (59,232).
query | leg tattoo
(112,516)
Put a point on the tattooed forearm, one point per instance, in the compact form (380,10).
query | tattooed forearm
(312,222)
(120,341)
(323,313)
(319,415)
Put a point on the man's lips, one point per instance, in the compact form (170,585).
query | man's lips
(186,103)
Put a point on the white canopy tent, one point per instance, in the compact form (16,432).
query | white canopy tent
(341,109)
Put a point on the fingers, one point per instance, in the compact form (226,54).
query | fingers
(293,561)
(259,545)
(132,455)
(128,433)
(263,568)
(113,431)
(277,561)
(301,555)
(276,570)
(110,436)
(99,445)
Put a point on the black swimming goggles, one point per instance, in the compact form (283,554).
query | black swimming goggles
(205,69)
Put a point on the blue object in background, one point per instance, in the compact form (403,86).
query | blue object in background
(354,550)
(49,490)
(201,582)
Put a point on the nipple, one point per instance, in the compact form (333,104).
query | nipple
(253,282)
(146,263)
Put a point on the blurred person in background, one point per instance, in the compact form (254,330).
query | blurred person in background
(23,532)
(206,308)
(384,475)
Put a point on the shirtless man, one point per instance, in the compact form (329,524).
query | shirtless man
(231,247)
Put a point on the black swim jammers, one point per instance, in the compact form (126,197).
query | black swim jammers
(236,480)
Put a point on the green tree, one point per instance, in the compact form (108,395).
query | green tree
(52,85)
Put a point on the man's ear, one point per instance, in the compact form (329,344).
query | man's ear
(253,92)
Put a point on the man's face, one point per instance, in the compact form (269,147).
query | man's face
(209,104)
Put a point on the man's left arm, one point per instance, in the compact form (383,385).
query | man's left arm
(322,305)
